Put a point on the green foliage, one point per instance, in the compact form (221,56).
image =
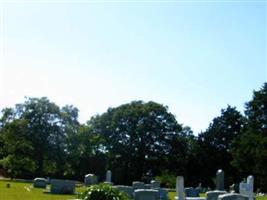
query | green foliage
(167,180)
(38,138)
(250,151)
(216,142)
(103,192)
(137,138)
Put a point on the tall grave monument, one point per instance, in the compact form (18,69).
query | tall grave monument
(180,188)
(220,180)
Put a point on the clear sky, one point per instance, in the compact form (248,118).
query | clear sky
(195,57)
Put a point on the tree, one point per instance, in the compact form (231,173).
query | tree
(250,151)
(216,142)
(19,150)
(137,138)
(46,129)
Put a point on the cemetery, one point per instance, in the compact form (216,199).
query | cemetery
(59,189)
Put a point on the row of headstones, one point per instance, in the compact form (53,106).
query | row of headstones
(245,190)
(138,190)
(141,191)
(58,186)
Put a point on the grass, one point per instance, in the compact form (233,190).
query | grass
(173,194)
(25,191)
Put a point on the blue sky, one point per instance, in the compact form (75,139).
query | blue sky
(195,57)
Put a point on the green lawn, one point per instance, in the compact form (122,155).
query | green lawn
(25,191)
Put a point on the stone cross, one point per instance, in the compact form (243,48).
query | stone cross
(180,187)
(108,176)
(220,180)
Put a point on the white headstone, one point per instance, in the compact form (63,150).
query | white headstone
(180,187)
(247,188)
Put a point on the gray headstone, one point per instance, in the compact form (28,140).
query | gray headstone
(195,198)
(108,176)
(155,184)
(90,179)
(180,187)
(62,186)
(220,180)
(213,195)
(148,186)
(191,192)
(146,194)
(247,188)
(232,196)
(127,189)
(138,185)
(163,193)
(39,183)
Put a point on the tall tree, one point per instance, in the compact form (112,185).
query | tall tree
(19,150)
(250,152)
(47,127)
(216,142)
(137,136)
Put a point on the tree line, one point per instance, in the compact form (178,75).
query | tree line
(40,139)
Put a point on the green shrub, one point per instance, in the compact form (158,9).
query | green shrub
(103,192)
(167,180)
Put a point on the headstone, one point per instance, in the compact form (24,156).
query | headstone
(199,188)
(127,189)
(146,194)
(62,186)
(138,185)
(232,196)
(180,187)
(155,184)
(148,186)
(247,188)
(39,183)
(108,176)
(90,179)
(191,192)
(220,180)
(213,195)
(163,193)
(195,198)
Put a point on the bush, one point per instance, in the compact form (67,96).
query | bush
(167,180)
(103,192)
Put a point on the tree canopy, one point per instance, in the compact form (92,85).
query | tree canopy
(136,140)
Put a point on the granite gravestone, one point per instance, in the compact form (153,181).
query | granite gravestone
(62,186)
(213,195)
(138,185)
(90,179)
(39,183)
(127,189)
(146,194)
(155,184)
(191,192)
(232,196)
(108,176)
(220,180)
(180,188)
